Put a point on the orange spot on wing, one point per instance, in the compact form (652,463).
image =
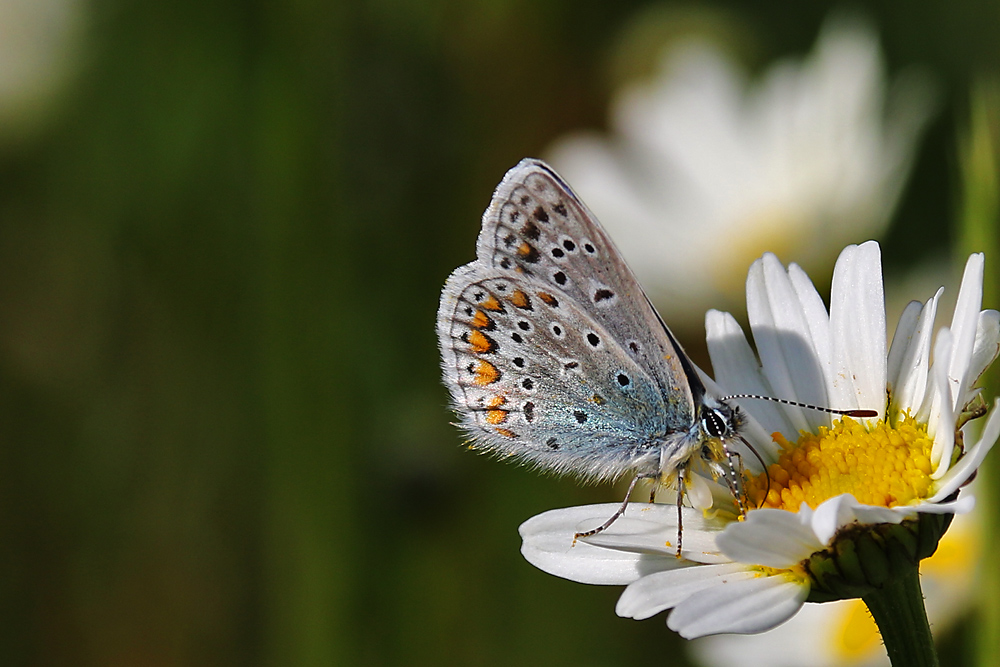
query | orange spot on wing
(491,304)
(505,433)
(548,299)
(481,321)
(496,416)
(486,373)
(496,402)
(520,299)
(481,343)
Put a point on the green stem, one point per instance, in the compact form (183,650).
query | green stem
(898,610)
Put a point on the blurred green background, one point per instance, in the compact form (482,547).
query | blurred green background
(223,437)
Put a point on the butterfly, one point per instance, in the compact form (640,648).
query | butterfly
(555,357)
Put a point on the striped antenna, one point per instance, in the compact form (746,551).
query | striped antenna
(846,413)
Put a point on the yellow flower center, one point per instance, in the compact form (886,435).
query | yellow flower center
(878,465)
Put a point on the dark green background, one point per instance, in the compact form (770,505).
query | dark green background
(223,439)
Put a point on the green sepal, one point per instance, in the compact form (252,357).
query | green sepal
(873,557)
(904,537)
(932,527)
(867,558)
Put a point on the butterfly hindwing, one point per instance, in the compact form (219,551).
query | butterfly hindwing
(534,376)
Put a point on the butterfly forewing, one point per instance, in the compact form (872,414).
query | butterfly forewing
(536,226)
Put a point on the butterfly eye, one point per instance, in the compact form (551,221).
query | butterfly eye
(714,424)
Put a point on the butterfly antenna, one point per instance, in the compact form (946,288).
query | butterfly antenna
(846,413)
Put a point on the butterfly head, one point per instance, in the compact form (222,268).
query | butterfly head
(719,425)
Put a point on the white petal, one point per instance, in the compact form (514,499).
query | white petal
(814,310)
(986,349)
(742,607)
(905,329)
(736,369)
(960,473)
(930,408)
(664,590)
(784,342)
(910,386)
(699,494)
(548,544)
(941,420)
(870,515)
(963,505)
(651,528)
(857,320)
(771,537)
(963,329)
(843,510)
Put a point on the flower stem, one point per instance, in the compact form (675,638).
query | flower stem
(898,610)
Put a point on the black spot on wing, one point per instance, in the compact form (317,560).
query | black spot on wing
(603,295)
(531,231)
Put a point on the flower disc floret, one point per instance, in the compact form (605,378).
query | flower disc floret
(879,465)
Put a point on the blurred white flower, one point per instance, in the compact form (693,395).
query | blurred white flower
(705,172)
(842,633)
(39,50)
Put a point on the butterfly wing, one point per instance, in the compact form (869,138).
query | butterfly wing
(537,226)
(534,376)
(549,347)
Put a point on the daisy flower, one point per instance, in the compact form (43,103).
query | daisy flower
(845,506)
(809,156)
(842,633)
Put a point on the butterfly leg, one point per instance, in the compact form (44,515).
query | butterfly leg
(621,510)
(728,465)
(735,480)
(681,473)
